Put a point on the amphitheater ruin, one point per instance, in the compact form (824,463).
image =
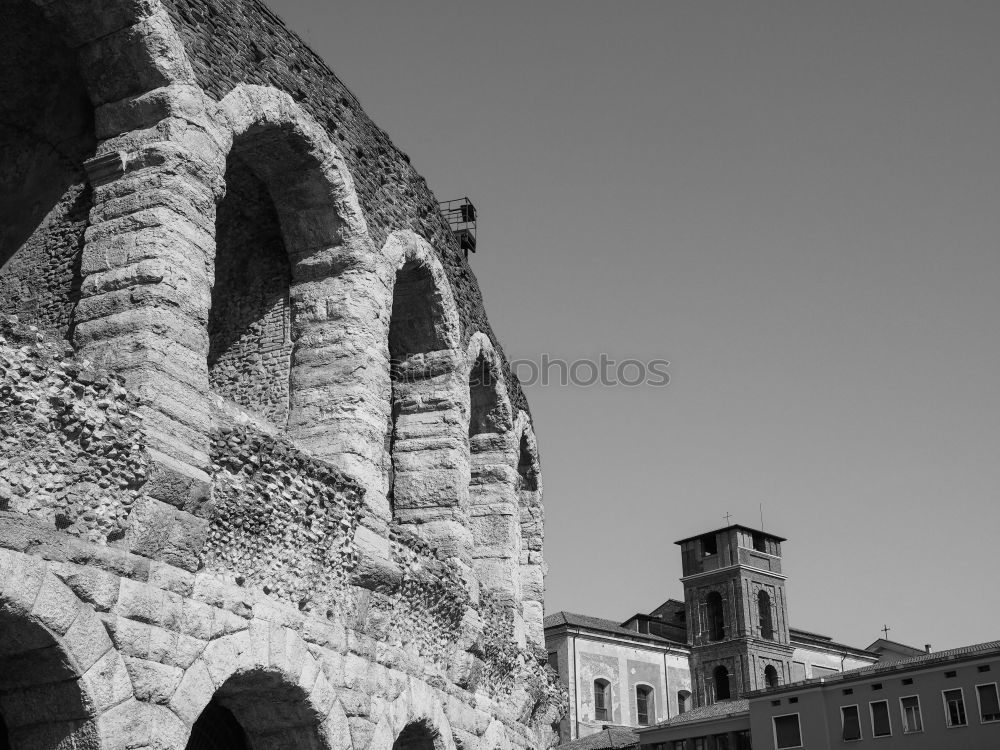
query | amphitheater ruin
(266,480)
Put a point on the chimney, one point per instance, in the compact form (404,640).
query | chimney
(927,647)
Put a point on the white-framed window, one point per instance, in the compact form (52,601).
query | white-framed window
(909,709)
(644,708)
(954,707)
(787,731)
(989,702)
(850,722)
(881,723)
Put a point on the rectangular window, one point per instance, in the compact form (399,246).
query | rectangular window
(721,741)
(743,740)
(642,705)
(787,732)
(850,719)
(700,743)
(912,721)
(881,726)
(989,703)
(600,704)
(954,708)
(680,744)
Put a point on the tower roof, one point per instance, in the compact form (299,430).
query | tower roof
(727,528)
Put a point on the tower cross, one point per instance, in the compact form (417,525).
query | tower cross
(886,629)
(727,517)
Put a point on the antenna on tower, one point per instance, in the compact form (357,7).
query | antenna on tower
(762,516)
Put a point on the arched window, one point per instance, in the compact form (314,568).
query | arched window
(770,676)
(716,616)
(721,679)
(644,704)
(683,701)
(764,613)
(602,700)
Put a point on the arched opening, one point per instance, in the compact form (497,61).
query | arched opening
(46,134)
(484,405)
(416,330)
(716,617)
(764,614)
(217,729)
(603,710)
(249,328)
(418,735)
(720,677)
(770,676)
(644,708)
(532,536)
(259,710)
(683,701)
(42,702)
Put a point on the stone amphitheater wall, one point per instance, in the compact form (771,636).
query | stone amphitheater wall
(264,471)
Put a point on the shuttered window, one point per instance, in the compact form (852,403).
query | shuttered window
(852,723)
(786,731)
(989,704)
(881,726)
(912,721)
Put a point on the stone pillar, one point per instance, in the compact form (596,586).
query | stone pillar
(148,273)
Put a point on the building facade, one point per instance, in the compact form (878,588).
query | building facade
(265,478)
(729,637)
(927,702)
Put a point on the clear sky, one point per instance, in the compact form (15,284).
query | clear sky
(797,204)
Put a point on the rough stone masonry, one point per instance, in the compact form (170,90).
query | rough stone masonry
(265,478)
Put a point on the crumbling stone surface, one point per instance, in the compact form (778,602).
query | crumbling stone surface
(281,520)
(46,133)
(71,447)
(263,465)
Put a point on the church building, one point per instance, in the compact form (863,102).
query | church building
(729,637)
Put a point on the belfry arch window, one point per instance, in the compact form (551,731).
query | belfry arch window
(764,614)
(720,677)
(715,616)
(602,700)
(249,327)
(770,677)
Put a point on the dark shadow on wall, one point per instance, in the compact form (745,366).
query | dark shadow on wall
(250,345)
(42,703)
(416,736)
(46,133)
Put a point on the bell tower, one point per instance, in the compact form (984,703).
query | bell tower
(737,612)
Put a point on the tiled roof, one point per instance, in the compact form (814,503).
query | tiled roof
(600,624)
(719,710)
(609,738)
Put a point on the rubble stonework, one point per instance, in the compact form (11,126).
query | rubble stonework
(266,480)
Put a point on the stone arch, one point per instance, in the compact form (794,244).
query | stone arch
(418,711)
(424,449)
(493,481)
(284,315)
(270,684)
(59,673)
(532,530)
